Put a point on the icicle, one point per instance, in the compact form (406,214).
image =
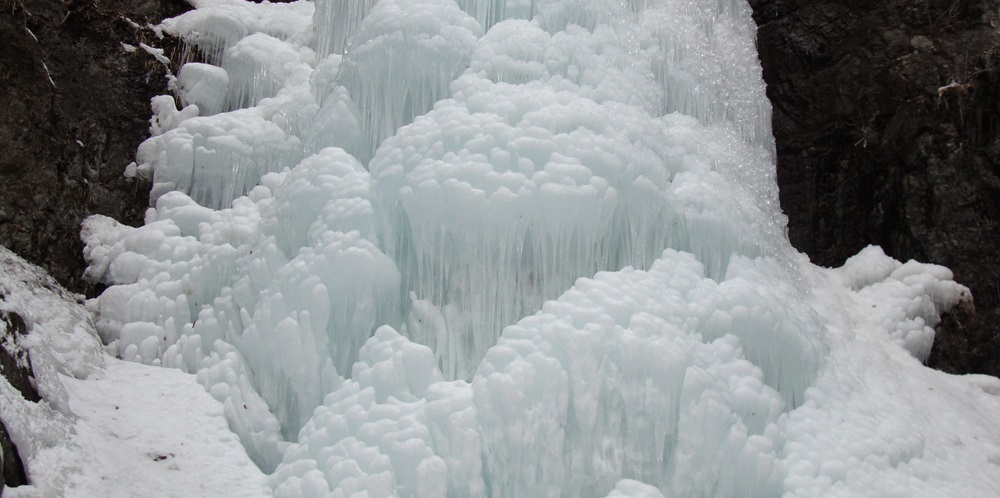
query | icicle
(402,59)
(336,21)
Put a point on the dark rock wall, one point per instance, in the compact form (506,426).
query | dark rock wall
(886,117)
(14,367)
(74,105)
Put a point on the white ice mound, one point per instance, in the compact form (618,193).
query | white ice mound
(904,298)
(657,376)
(260,65)
(216,25)
(394,429)
(566,273)
(629,488)
(215,159)
(204,86)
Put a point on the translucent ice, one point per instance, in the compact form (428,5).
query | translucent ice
(546,165)
(610,381)
(336,21)
(259,65)
(390,430)
(402,58)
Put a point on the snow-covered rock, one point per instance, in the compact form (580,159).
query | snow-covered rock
(99,426)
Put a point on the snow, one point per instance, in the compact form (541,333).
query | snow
(106,427)
(508,248)
(878,423)
(143,429)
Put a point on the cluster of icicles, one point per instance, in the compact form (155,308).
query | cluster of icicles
(484,248)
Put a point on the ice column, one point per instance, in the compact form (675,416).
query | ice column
(490,12)
(336,21)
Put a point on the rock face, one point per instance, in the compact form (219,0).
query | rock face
(886,117)
(15,367)
(75,99)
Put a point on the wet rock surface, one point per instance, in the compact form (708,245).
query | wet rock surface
(887,122)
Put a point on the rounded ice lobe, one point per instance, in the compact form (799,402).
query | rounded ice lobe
(592,64)
(328,191)
(213,27)
(393,429)
(203,85)
(905,297)
(215,159)
(627,374)
(260,65)
(272,297)
(310,322)
(209,31)
(629,488)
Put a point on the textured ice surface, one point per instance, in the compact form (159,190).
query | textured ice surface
(204,86)
(547,165)
(215,159)
(402,58)
(519,248)
(214,26)
(642,374)
(283,287)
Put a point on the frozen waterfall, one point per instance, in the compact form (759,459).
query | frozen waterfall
(500,248)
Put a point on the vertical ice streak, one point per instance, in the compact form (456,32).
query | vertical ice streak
(336,21)
(551,162)
(401,60)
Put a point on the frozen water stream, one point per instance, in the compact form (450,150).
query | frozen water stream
(498,248)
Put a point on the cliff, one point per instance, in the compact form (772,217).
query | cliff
(886,117)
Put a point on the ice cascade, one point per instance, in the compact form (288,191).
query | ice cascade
(495,248)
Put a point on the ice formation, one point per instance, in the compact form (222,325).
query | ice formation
(511,248)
